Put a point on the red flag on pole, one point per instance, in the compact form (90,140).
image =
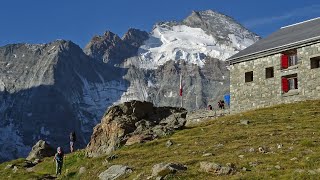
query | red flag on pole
(180,91)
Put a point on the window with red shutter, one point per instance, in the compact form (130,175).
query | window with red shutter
(285,84)
(284,61)
(289,82)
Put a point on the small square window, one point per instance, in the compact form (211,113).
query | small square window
(269,72)
(249,76)
(315,62)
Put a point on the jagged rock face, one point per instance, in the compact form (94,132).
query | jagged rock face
(201,86)
(135,37)
(225,29)
(111,49)
(131,119)
(47,91)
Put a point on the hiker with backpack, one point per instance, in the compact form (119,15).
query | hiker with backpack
(58,158)
(72,140)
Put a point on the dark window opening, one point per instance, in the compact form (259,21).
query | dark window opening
(315,62)
(289,82)
(269,72)
(249,76)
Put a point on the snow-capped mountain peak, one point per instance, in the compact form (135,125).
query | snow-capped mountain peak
(202,34)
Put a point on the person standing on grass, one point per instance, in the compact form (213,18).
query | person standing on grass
(72,140)
(58,158)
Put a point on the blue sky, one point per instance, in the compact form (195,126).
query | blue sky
(41,21)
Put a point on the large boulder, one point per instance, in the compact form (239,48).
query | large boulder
(115,172)
(41,150)
(133,122)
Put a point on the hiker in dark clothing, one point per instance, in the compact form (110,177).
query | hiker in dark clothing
(72,140)
(221,104)
(58,158)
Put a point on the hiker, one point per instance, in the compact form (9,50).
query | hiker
(58,157)
(221,104)
(209,107)
(72,140)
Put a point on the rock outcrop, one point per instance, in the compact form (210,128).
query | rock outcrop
(41,150)
(130,120)
(163,169)
(115,172)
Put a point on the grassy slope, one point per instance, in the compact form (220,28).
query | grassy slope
(296,126)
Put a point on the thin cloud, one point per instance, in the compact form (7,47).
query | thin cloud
(309,10)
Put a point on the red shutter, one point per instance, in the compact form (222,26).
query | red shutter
(285,84)
(284,61)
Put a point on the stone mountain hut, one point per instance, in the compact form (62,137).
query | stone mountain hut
(281,68)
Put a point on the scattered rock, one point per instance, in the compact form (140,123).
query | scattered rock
(262,150)
(115,172)
(9,166)
(36,161)
(40,150)
(163,169)
(244,122)
(290,127)
(251,149)
(140,138)
(82,170)
(277,167)
(241,156)
(215,168)
(299,171)
(313,172)
(219,145)
(112,157)
(279,146)
(255,163)
(30,169)
(207,154)
(209,167)
(294,159)
(14,169)
(169,143)
(28,164)
(245,169)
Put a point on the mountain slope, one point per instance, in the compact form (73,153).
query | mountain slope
(287,132)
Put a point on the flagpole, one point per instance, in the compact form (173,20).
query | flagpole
(181,101)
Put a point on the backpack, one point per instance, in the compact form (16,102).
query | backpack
(73,137)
